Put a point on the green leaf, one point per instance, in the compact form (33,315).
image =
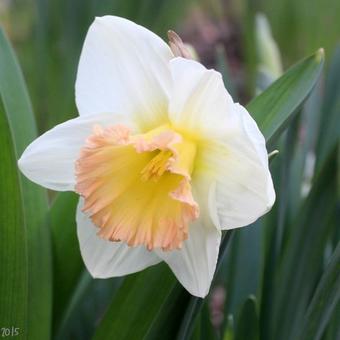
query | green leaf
(304,149)
(329,133)
(67,262)
(325,299)
(21,123)
(244,252)
(333,328)
(170,315)
(302,258)
(274,224)
(229,329)
(90,300)
(273,108)
(247,326)
(189,320)
(203,328)
(137,304)
(13,240)
(15,97)
(269,248)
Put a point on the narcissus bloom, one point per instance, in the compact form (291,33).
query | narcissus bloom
(162,158)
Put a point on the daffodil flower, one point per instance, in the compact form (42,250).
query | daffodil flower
(161,156)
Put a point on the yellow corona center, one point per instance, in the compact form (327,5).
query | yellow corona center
(137,188)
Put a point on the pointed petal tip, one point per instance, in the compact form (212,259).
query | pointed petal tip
(99,20)
(20,163)
(320,54)
(194,265)
(177,46)
(200,294)
(23,164)
(321,51)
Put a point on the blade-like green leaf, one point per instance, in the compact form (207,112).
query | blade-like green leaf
(301,173)
(68,265)
(273,108)
(15,97)
(170,315)
(13,240)
(302,258)
(137,304)
(269,248)
(204,329)
(329,133)
(188,324)
(324,301)
(229,329)
(244,252)
(247,326)
(21,122)
(333,328)
(90,300)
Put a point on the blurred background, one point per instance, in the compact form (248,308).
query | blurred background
(48,35)
(269,276)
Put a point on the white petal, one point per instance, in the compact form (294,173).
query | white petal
(50,159)
(108,259)
(244,187)
(199,102)
(124,68)
(194,265)
(233,156)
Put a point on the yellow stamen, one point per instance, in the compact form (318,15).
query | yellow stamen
(157,166)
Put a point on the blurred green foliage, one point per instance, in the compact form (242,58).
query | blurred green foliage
(49,34)
(278,279)
(302,26)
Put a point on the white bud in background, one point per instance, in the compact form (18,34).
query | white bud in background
(179,48)
(269,65)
